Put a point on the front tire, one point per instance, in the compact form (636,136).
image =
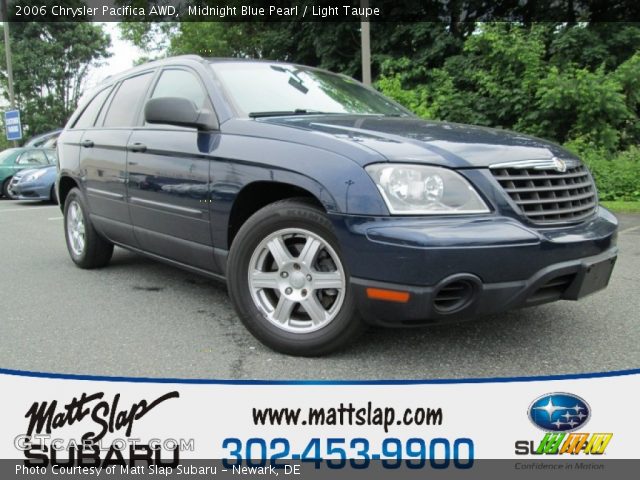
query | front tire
(86,248)
(5,189)
(289,283)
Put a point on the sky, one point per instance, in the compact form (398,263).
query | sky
(123,52)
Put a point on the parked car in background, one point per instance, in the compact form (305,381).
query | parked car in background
(323,204)
(44,140)
(13,160)
(34,184)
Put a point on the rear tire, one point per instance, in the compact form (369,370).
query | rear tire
(297,300)
(86,247)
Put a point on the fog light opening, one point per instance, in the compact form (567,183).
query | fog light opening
(454,296)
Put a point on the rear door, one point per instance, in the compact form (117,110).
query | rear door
(68,143)
(168,180)
(103,157)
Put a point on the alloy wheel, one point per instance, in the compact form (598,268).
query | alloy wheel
(297,280)
(76,228)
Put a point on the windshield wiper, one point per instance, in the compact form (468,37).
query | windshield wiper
(303,111)
(282,113)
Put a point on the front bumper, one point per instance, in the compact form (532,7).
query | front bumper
(458,268)
(31,191)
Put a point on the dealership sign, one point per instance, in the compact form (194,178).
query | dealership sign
(70,424)
(12,125)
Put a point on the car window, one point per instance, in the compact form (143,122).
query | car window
(88,117)
(180,83)
(51,143)
(261,87)
(33,157)
(51,156)
(123,108)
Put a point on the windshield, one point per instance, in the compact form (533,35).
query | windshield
(263,89)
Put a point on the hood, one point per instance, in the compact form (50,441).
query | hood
(410,139)
(28,171)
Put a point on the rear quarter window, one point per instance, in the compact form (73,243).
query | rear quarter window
(88,117)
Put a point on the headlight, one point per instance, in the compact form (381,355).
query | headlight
(417,189)
(34,176)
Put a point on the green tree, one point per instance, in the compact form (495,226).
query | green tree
(533,78)
(331,45)
(51,61)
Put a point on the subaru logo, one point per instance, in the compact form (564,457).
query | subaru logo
(559,165)
(559,412)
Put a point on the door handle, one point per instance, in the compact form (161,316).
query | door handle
(87,144)
(137,147)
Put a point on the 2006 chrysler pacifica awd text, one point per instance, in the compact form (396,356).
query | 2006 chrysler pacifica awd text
(324,205)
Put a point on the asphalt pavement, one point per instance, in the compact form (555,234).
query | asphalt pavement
(138,318)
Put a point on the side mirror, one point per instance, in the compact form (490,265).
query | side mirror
(180,112)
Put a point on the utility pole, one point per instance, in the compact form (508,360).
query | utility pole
(365,38)
(7,50)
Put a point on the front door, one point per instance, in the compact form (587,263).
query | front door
(168,181)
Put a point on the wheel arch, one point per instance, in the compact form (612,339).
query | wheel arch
(65,184)
(257,195)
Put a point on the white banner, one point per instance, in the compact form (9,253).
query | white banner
(239,421)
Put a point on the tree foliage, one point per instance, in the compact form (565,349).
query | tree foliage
(51,61)
(529,79)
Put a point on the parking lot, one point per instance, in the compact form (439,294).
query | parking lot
(142,318)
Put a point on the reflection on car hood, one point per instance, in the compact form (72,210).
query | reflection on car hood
(24,173)
(417,140)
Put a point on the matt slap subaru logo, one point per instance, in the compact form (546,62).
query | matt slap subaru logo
(560,415)
(559,412)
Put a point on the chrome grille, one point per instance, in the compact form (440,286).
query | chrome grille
(547,196)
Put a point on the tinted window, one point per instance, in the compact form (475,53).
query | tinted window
(33,157)
(123,108)
(180,83)
(88,117)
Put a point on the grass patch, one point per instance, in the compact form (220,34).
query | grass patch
(622,207)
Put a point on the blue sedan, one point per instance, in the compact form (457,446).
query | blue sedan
(34,184)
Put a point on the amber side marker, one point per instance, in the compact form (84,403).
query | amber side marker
(388,295)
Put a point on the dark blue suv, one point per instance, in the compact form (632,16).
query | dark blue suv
(324,205)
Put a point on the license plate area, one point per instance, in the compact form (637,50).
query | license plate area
(593,276)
